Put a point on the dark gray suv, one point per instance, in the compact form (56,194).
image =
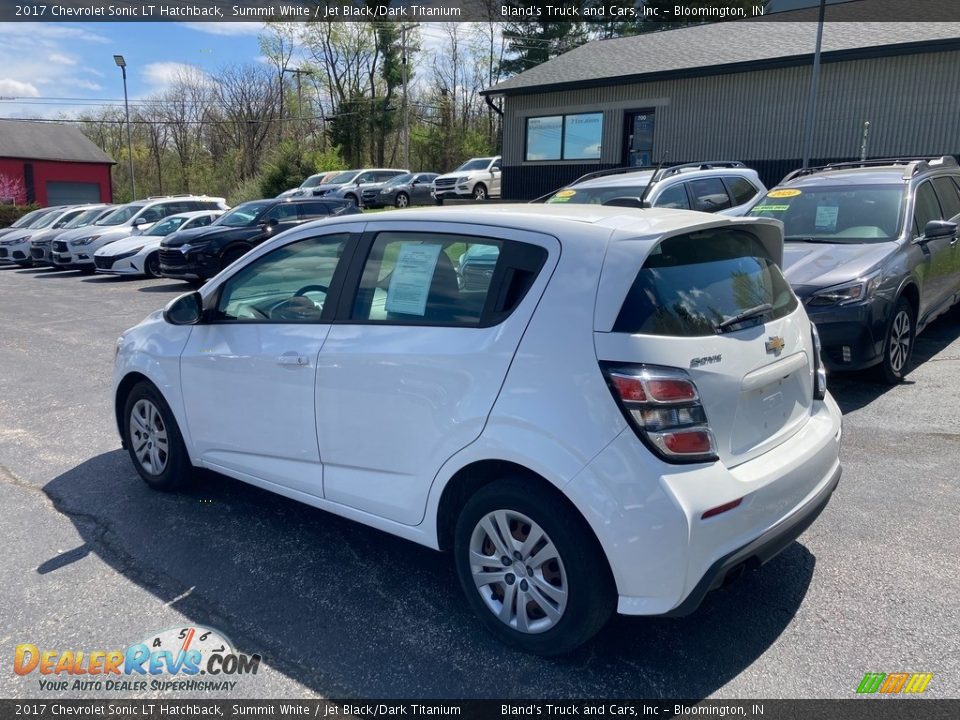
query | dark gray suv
(871,250)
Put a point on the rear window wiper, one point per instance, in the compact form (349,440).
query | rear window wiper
(744,316)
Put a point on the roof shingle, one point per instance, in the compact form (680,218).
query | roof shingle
(48,141)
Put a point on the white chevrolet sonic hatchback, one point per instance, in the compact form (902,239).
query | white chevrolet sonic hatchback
(604,409)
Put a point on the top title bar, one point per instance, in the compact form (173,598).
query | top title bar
(514,11)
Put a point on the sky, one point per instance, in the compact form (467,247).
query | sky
(72,63)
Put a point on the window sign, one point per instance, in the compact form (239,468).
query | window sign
(411,278)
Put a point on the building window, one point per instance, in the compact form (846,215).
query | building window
(564,137)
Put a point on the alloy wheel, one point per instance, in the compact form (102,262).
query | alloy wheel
(518,571)
(148,435)
(402,201)
(900,339)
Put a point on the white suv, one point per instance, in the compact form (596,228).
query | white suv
(75,249)
(727,187)
(477,178)
(628,412)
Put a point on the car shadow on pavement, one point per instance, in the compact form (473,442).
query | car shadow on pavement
(353,612)
(177,286)
(853,391)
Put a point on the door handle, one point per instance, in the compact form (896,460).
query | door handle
(292,358)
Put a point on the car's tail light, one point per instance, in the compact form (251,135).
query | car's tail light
(663,406)
(819,372)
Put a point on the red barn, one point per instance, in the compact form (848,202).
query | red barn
(56,164)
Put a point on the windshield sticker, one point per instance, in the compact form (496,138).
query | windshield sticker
(411,279)
(827,217)
(770,208)
(562,196)
(789,192)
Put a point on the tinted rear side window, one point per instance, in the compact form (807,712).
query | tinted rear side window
(691,283)
(949,197)
(709,194)
(741,189)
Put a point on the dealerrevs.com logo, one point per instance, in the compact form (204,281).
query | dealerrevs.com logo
(894,683)
(189,659)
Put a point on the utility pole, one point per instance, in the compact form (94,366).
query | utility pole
(298,72)
(814,82)
(406,104)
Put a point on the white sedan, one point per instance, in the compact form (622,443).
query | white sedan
(140,254)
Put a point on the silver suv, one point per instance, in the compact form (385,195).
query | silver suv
(728,187)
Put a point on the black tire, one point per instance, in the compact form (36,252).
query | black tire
(480,192)
(177,470)
(231,256)
(438,201)
(151,266)
(402,200)
(591,593)
(898,343)
(352,198)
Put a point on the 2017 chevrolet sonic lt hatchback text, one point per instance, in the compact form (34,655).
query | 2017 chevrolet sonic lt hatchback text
(626,410)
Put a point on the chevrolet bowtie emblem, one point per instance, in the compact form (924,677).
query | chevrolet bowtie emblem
(775,344)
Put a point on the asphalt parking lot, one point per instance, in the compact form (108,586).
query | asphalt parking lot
(95,560)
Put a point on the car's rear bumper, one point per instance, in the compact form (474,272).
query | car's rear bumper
(760,550)
(648,514)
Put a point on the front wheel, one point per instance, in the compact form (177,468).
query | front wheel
(898,346)
(402,201)
(151,267)
(480,192)
(353,199)
(531,568)
(153,439)
(231,256)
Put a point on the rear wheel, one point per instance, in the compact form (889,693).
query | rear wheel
(402,201)
(531,568)
(898,346)
(151,266)
(153,439)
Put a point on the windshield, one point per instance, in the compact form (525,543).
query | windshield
(243,215)
(596,195)
(311,181)
(65,219)
(842,214)
(84,218)
(399,180)
(344,177)
(120,215)
(47,220)
(165,227)
(475,164)
(30,218)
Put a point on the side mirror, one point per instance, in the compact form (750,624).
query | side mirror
(184,310)
(269,224)
(139,221)
(938,229)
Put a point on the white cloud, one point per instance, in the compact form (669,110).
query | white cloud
(161,74)
(226,28)
(61,59)
(86,85)
(45,32)
(16,88)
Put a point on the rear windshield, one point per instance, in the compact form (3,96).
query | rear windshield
(844,213)
(692,283)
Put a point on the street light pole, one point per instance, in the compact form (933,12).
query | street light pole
(406,104)
(122,64)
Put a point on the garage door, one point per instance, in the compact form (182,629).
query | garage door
(72,193)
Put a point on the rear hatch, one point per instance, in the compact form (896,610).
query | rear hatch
(710,306)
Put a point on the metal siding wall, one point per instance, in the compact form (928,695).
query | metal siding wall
(912,103)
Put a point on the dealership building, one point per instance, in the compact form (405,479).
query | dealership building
(732,91)
(56,163)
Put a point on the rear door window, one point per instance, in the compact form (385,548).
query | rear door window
(691,283)
(314,209)
(413,278)
(284,212)
(741,190)
(709,195)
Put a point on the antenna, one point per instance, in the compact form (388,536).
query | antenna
(653,177)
